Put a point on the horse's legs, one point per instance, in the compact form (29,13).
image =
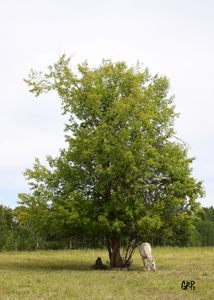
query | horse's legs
(149,268)
(144,268)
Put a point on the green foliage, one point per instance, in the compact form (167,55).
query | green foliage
(3,227)
(6,222)
(26,239)
(203,233)
(10,244)
(122,175)
(180,236)
(195,239)
(206,230)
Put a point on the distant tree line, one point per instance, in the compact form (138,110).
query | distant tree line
(24,237)
(202,233)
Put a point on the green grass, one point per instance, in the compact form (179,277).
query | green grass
(68,275)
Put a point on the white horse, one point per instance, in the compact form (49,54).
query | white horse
(146,252)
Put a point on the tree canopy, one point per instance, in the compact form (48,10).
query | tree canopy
(124,174)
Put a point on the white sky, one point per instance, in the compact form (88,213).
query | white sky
(173,38)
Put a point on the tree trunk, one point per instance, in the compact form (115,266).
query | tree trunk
(37,244)
(114,253)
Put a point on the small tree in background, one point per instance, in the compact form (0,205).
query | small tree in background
(195,239)
(6,223)
(122,176)
(10,244)
(26,239)
(3,227)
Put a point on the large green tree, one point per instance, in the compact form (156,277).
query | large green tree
(124,174)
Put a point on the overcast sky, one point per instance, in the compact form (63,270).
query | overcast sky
(173,38)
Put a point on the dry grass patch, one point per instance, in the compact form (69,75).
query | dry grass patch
(68,275)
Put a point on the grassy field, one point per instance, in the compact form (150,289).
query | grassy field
(68,275)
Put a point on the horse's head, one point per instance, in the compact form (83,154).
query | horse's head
(151,265)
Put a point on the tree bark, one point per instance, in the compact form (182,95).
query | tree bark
(114,253)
